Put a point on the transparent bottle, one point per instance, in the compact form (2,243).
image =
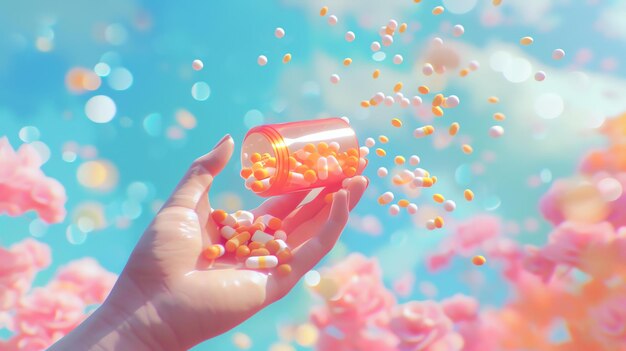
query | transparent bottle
(288,157)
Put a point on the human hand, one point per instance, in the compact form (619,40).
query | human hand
(169,297)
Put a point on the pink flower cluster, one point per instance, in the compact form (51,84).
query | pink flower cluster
(24,187)
(40,316)
(362,314)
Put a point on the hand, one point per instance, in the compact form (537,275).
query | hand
(169,297)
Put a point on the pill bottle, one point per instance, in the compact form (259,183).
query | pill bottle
(288,157)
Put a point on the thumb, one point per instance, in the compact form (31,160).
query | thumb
(196,183)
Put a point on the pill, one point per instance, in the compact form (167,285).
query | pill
(324,11)
(454,128)
(322,168)
(423,131)
(414,160)
(364,150)
(333,165)
(449,205)
(496,131)
(219,216)
(334,78)
(479,260)
(310,176)
(397,87)
(388,101)
(438,10)
(394,210)
(385,198)
(365,103)
(380,152)
(332,20)
(262,262)
(423,89)
(387,40)
(438,198)
(416,101)
(242,215)
(227,232)
(286,58)
(245,172)
(451,101)
(399,160)
(439,222)
(558,54)
(458,30)
(464,72)
(540,76)
(430,224)
(253,246)
(402,28)
(239,239)
(214,251)
(427,69)
(403,203)
(412,208)
(375,46)
(526,40)
(396,122)
(382,172)
(397,59)
(493,99)
(279,32)
(259,252)
(333,145)
(297,178)
(197,65)
(376,73)
(350,36)
(420,172)
(242,251)
(275,245)
(498,116)
(284,256)
(467,148)
(283,269)
(468,194)
(261,60)
(474,65)
(347,61)
(438,100)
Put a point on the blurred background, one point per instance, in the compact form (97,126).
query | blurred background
(106,94)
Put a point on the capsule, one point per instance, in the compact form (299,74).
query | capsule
(385,198)
(414,160)
(438,198)
(261,251)
(228,232)
(283,269)
(423,131)
(467,148)
(411,208)
(479,260)
(214,251)
(394,210)
(454,128)
(261,237)
(259,262)
(468,194)
(322,168)
(236,241)
(438,222)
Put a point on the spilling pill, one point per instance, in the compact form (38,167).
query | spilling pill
(526,40)
(558,54)
(387,40)
(375,46)
(540,76)
(499,116)
(479,260)
(334,78)
(279,33)
(493,99)
(428,69)
(467,149)
(423,89)
(394,210)
(438,10)
(468,194)
(286,58)
(496,131)
(347,61)
(261,60)
(260,262)
(385,198)
(396,122)
(411,208)
(454,128)
(397,59)
(449,205)
(438,198)
(382,172)
(197,65)
(324,11)
(458,30)
(350,37)
(332,20)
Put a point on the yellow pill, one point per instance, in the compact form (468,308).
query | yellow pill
(526,40)
(402,28)
(403,203)
(380,152)
(423,89)
(434,178)
(438,100)
(376,73)
(396,122)
(468,194)
(493,99)
(399,160)
(397,87)
(284,269)
(427,182)
(454,128)
(286,58)
(383,139)
(464,72)
(479,260)
(498,116)
(439,222)
(467,148)
(496,2)
(365,103)
(439,198)
(347,61)
(324,11)
(438,10)
(437,111)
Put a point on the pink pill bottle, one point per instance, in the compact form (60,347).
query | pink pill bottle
(289,157)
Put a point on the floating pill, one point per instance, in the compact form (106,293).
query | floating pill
(399,160)
(496,131)
(364,151)
(347,61)
(365,103)
(403,203)
(375,46)
(332,20)
(334,78)
(286,58)
(558,54)
(370,142)
(479,260)
(396,122)
(414,160)
(420,172)
(468,149)
(402,28)
(382,172)
(451,101)
(214,251)
(411,208)
(388,101)
(397,87)
(498,116)
(439,222)
(423,89)
(438,198)
(279,32)
(438,10)
(430,224)
(397,59)
(449,205)
(423,131)
(458,30)
(493,99)
(468,194)
(383,139)
(438,100)
(197,65)
(262,262)
(283,269)
(385,198)
(428,69)
(526,40)
(387,40)
(350,36)
(324,11)
(416,101)
(540,76)
(454,128)
(380,152)
(474,65)
(261,60)
(394,210)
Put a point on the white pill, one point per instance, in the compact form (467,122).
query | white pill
(364,151)
(333,145)
(430,224)
(474,65)
(370,142)
(261,60)
(332,20)
(428,69)
(322,168)
(437,41)
(412,208)
(398,97)
(197,65)
(558,54)
(334,78)
(540,76)
(397,59)
(350,37)
(388,100)
(449,205)
(227,232)
(261,237)
(420,172)
(416,101)
(496,131)
(451,101)
(280,235)
(414,160)
(345,119)
(382,172)
(405,102)
(333,165)
(392,24)
(262,262)
(279,32)
(375,46)
(387,40)
(386,197)
(379,97)
(394,210)
(458,30)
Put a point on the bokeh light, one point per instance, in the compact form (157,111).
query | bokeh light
(100,109)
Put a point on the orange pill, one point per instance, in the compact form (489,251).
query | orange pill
(270,162)
(219,216)
(399,160)
(353,152)
(468,194)
(454,128)
(468,149)
(434,178)
(259,252)
(310,176)
(464,72)
(255,245)
(439,222)
(286,58)
(212,252)
(261,174)
(498,116)
(438,100)
(283,269)
(437,111)
(402,28)
(380,152)
(396,122)
(365,103)
(383,139)
(438,198)
(310,147)
(255,157)
(479,260)
(438,10)
(423,89)
(257,186)
(257,165)
(274,223)
(324,11)
(350,171)
(284,256)
(493,99)
(322,147)
(397,87)
(243,251)
(427,182)
(272,246)
(293,163)
(403,203)
(496,2)
(239,239)
(328,198)
(245,173)
(376,74)
(347,61)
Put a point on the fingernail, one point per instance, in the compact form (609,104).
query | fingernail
(367,180)
(226,137)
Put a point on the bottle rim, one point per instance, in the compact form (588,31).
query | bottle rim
(281,152)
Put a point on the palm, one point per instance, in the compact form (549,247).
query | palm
(201,299)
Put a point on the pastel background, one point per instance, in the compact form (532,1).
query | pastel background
(65,66)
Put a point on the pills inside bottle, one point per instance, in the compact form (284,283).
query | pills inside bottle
(289,157)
